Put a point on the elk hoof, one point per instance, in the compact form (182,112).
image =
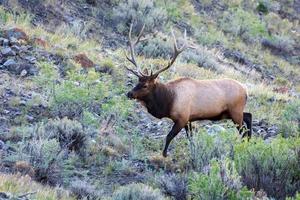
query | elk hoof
(165,154)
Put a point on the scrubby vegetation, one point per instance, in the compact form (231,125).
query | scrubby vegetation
(67,130)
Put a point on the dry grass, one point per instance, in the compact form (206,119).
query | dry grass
(19,185)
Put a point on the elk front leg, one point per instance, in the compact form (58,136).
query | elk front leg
(175,130)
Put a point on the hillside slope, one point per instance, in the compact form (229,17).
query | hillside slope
(65,120)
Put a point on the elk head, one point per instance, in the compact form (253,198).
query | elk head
(147,81)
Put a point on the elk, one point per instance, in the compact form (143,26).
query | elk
(185,100)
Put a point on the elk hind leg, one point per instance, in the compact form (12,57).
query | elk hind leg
(237,118)
(247,118)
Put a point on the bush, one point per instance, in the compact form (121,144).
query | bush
(156,47)
(202,58)
(276,25)
(243,24)
(290,120)
(82,190)
(77,93)
(142,12)
(137,191)
(262,8)
(220,182)
(69,133)
(174,186)
(272,167)
(205,147)
(280,45)
(44,155)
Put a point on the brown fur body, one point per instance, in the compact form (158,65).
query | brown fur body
(186,100)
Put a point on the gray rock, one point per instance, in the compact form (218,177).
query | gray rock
(10,62)
(23,72)
(4,42)
(13,41)
(2,145)
(16,48)
(7,51)
(30,59)
(22,103)
(4,195)
(29,118)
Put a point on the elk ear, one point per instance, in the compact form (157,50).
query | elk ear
(145,71)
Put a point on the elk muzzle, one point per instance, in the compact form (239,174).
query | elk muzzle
(130,95)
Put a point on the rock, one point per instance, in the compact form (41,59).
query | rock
(16,48)
(9,63)
(23,73)
(84,61)
(4,195)
(92,2)
(13,41)
(7,51)
(30,59)
(4,42)
(22,69)
(17,33)
(2,145)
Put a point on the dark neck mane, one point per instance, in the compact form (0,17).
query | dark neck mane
(160,101)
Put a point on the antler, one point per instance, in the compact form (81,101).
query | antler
(137,72)
(177,51)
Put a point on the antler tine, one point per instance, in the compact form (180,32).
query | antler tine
(134,72)
(177,51)
(132,53)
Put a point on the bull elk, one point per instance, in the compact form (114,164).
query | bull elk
(185,100)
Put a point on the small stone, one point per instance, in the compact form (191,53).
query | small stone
(23,73)
(9,62)
(17,33)
(2,145)
(31,59)
(7,51)
(29,118)
(16,48)
(13,41)
(22,103)
(4,42)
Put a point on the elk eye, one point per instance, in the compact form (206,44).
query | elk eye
(145,86)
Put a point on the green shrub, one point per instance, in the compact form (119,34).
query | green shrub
(83,190)
(279,44)
(174,186)
(205,147)
(44,155)
(221,181)
(261,7)
(202,58)
(137,191)
(271,166)
(77,93)
(142,12)
(276,25)
(69,133)
(242,24)
(290,120)
(156,47)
